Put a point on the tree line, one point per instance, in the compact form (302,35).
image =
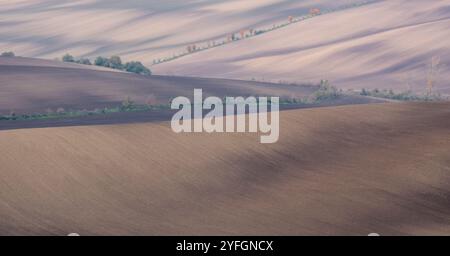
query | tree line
(114,62)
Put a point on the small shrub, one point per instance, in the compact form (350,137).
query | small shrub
(364,92)
(98,111)
(115,62)
(84,61)
(8,54)
(60,111)
(12,115)
(127,104)
(101,61)
(325,92)
(68,58)
(137,67)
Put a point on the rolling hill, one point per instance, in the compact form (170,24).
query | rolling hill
(336,170)
(385,45)
(343,170)
(133,29)
(35,86)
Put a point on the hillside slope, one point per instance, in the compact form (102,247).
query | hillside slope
(384,45)
(133,29)
(342,170)
(33,86)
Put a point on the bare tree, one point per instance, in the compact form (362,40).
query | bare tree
(242,33)
(433,72)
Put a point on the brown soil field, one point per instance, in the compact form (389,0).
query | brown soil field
(34,86)
(355,170)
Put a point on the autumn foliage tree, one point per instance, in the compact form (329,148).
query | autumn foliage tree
(242,33)
(314,11)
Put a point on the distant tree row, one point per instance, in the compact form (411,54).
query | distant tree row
(113,62)
(242,34)
(70,58)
